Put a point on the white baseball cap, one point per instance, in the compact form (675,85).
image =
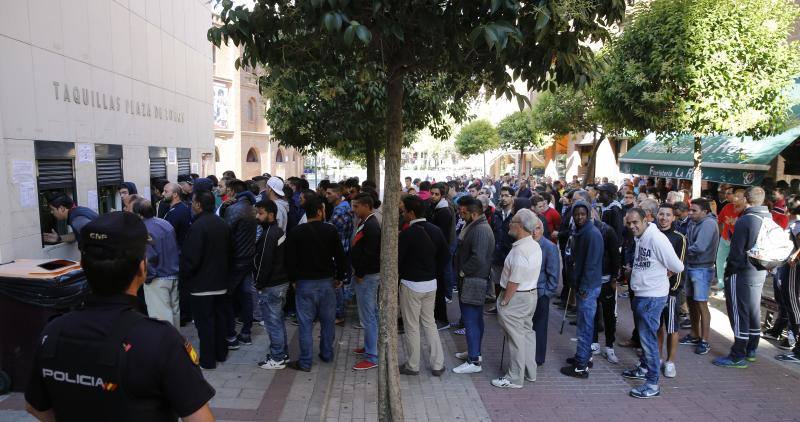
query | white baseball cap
(276,185)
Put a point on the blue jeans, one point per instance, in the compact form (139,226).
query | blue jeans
(244,299)
(315,299)
(586,301)
(647,312)
(473,327)
(344,293)
(271,301)
(698,283)
(449,275)
(367,294)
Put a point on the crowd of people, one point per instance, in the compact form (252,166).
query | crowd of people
(228,253)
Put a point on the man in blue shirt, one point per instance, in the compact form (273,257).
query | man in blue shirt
(163,256)
(180,216)
(545,289)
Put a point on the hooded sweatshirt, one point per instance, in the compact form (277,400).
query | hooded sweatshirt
(586,252)
(702,239)
(745,233)
(653,257)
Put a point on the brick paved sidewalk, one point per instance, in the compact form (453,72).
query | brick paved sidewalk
(766,391)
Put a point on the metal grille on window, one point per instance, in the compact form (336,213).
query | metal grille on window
(109,172)
(158,167)
(55,174)
(184,166)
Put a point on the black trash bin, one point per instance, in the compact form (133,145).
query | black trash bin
(32,291)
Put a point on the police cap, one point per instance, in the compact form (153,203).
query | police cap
(113,234)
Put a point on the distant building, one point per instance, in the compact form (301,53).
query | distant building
(91,94)
(242,138)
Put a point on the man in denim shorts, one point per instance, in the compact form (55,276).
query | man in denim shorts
(703,239)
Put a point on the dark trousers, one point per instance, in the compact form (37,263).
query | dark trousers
(185,301)
(440,305)
(781,320)
(635,334)
(607,312)
(743,301)
(540,318)
(210,318)
(242,299)
(791,292)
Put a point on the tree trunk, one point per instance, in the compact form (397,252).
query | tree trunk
(697,173)
(592,164)
(390,406)
(373,165)
(521,166)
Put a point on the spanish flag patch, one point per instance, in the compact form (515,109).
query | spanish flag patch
(195,358)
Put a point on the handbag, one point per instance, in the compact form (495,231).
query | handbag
(473,291)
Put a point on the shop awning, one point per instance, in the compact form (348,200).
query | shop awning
(739,161)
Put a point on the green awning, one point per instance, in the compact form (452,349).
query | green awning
(739,161)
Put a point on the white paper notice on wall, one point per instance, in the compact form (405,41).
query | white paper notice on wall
(146,193)
(22,171)
(85,153)
(27,195)
(196,168)
(172,156)
(91,199)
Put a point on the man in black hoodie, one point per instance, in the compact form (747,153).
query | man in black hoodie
(241,218)
(743,283)
(272,283)
(365,253)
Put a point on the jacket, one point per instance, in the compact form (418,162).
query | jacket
(551,268)
(654,256)
(268,262)
(678,242)
(745,233)
(205,255)
(241,217)
(503,240)
(314,252)
(365,252)
(475,247)
(163,255)
(613,215)
(180,216)
(422,252)
(442,217)
(702,239)
(612,259)
(586,249)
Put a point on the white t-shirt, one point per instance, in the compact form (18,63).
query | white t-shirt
(523,264)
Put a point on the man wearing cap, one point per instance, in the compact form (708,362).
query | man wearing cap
(611,211)
(276,195)
(106,361)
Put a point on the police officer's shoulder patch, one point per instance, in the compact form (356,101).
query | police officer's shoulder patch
(193,356)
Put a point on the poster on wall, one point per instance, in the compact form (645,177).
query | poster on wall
(220,106)
(172,156)
(91,199)
(85,153)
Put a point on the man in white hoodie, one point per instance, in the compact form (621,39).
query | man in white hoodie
(653,263)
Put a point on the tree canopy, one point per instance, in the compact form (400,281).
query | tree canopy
(519,131)
(476,137)
(564,110)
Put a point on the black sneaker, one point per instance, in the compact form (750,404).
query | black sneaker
(770,335)
(233,344)
(571,361)
(491,311)
(442,325)
(688,339)
(576,372)
(245,339)
(785,343)
(788,357)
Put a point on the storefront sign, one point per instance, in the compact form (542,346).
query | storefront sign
(86,97)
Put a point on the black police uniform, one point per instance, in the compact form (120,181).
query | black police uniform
(106,361)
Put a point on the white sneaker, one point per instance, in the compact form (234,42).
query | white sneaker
(595,348)
(467,368)
(271,363)
(669,369)
(610,355)
(465,356)
(503,382)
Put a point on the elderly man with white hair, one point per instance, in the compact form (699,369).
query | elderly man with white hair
(517,300)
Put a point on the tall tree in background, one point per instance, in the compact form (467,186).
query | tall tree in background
(476,137)
(544,43)
(703,67)
(518,131)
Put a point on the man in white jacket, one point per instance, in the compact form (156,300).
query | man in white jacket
(653,263)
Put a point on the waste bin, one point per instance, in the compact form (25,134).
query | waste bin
(32,291)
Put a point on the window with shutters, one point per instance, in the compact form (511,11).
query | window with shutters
(184,161)
(55,175)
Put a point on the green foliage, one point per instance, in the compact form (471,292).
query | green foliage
(703,67)
(563,111)
(519,131)
(476,137)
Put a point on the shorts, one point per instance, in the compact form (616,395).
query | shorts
(669,316)
(698,283)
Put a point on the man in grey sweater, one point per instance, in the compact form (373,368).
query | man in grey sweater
(702,238)
(473,262)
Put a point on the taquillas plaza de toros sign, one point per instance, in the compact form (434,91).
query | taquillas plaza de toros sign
(740,161)
(87,97)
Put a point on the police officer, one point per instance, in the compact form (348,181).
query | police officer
(106,361)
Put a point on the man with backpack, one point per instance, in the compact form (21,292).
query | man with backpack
(744,281)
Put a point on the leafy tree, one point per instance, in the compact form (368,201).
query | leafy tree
(543,43)
(476,137)
(703,67)
(518,131)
